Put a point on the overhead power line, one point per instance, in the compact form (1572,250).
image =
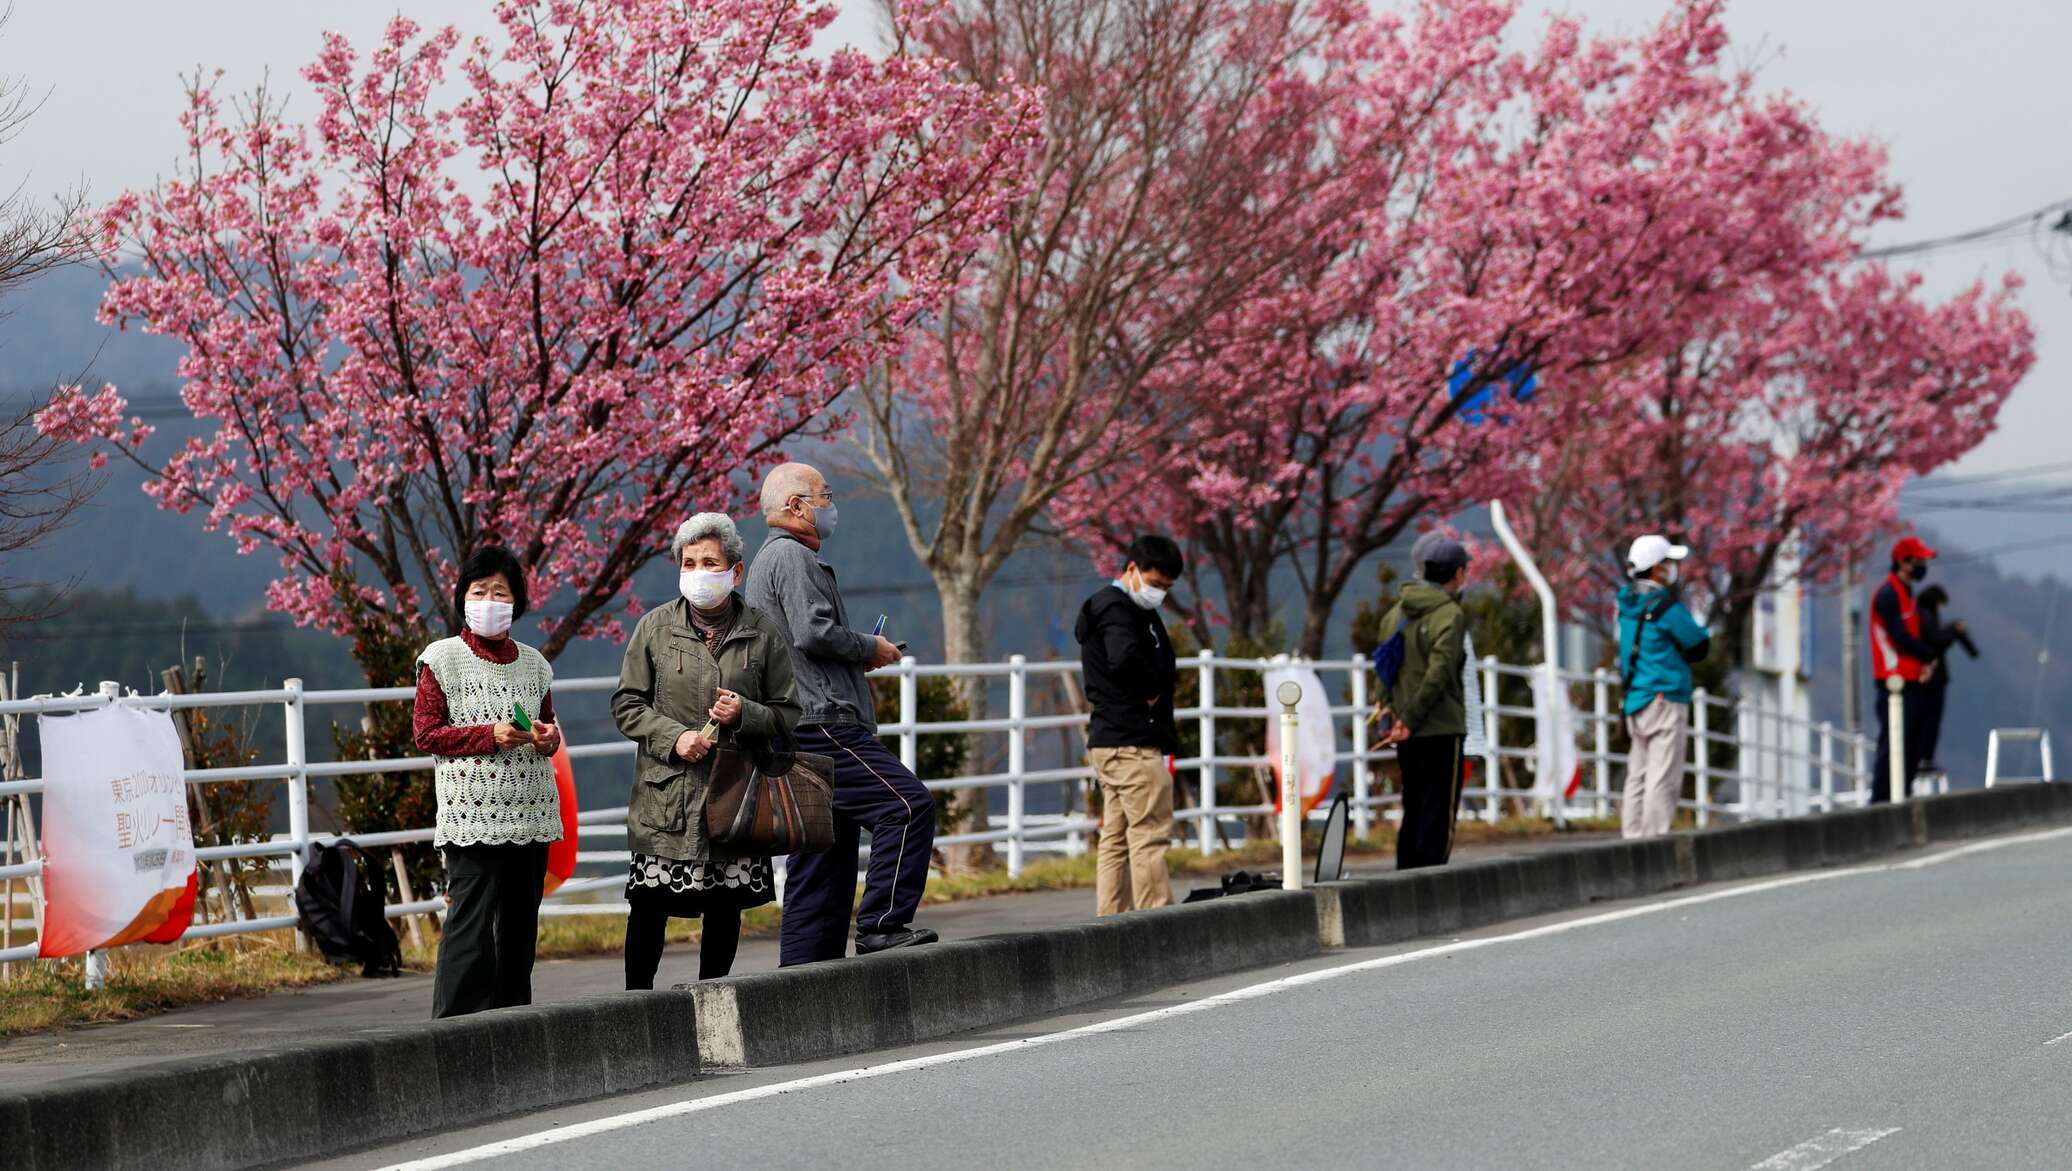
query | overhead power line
(2059,212)
(2022,473)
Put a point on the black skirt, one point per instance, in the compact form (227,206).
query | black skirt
(688,889)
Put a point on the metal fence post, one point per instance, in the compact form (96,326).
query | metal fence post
(1017,747)
(2048,773)
(1859,769)
(1362,785)
(1701,732)
(909,714)
(1492,766)
(1895,747)
(96,961)
(298,789)
(1205,668)
(1827,766)
(1601,696)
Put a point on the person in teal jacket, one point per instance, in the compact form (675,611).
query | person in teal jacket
(1658,642)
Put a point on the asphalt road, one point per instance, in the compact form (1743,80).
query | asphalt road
(1903,1015)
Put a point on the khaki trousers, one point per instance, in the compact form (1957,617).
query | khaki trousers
(1136,828)
(1654,769)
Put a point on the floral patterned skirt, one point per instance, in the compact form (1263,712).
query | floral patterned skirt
(690,887)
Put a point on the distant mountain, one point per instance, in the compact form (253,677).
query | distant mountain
(49,336)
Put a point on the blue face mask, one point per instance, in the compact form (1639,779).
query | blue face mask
(824,521)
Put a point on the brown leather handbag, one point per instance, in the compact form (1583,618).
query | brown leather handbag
(776,801)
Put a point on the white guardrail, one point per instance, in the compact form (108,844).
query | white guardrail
(1781,765)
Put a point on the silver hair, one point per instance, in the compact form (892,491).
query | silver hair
(784,482)
(709,526)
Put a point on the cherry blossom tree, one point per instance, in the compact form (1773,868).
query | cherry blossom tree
(556,286)
(1591,203)
(1184,172)
(1778,439)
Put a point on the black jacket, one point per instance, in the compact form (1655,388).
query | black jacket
(1130,672)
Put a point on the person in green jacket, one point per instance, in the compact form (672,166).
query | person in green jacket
(1428,703)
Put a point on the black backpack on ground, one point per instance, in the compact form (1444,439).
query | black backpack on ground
(340,904)
(1239,883)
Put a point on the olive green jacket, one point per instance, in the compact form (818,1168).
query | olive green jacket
(666,688)
(1428,697)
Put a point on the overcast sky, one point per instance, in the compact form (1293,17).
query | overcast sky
(1969,97)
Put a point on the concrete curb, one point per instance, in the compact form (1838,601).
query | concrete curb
(915,994)
(316,1099)
(301,1101)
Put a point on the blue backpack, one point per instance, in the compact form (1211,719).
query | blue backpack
(1388,658)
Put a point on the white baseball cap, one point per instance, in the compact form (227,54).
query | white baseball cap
(1652,550)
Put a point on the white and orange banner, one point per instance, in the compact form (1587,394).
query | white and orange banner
(118,850)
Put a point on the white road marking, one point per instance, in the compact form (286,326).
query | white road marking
(1816,1153)
(1981,847)
(2056,1039)
(597,1126)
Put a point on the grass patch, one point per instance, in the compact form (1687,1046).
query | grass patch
(143,981)
(1042,874)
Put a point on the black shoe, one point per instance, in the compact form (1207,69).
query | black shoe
(869,942)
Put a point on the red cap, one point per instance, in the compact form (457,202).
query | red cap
(1912,547)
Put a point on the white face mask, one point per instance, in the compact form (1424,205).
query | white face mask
(1674,573)
(487,619)
(705,588)
(1146,595)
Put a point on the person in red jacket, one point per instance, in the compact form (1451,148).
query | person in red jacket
(1899,650)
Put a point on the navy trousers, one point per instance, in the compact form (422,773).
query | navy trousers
(874,794)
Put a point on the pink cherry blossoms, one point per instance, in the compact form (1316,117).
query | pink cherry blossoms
(1631,223)
(646,244)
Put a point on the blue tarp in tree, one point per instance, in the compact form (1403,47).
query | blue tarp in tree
(1518,381)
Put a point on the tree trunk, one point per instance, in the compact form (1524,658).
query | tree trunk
(1245,566)
(964,642)
(1316,620)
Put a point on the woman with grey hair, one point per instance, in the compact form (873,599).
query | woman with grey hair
(705,669)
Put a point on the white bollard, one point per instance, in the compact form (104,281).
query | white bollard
(1290,694)
(1895,745)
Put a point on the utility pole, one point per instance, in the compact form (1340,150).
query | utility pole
(1852,630)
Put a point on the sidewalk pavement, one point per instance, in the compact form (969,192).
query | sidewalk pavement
(354,1004)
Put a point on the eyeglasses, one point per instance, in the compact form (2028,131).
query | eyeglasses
(824,493)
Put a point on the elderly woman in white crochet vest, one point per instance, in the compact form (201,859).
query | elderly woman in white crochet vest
(498,806)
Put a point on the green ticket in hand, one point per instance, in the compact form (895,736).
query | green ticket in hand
(519,719)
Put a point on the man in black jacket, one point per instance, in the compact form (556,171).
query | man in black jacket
(1130,672)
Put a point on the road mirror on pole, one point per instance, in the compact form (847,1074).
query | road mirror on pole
(1289,693)
(1895,747)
